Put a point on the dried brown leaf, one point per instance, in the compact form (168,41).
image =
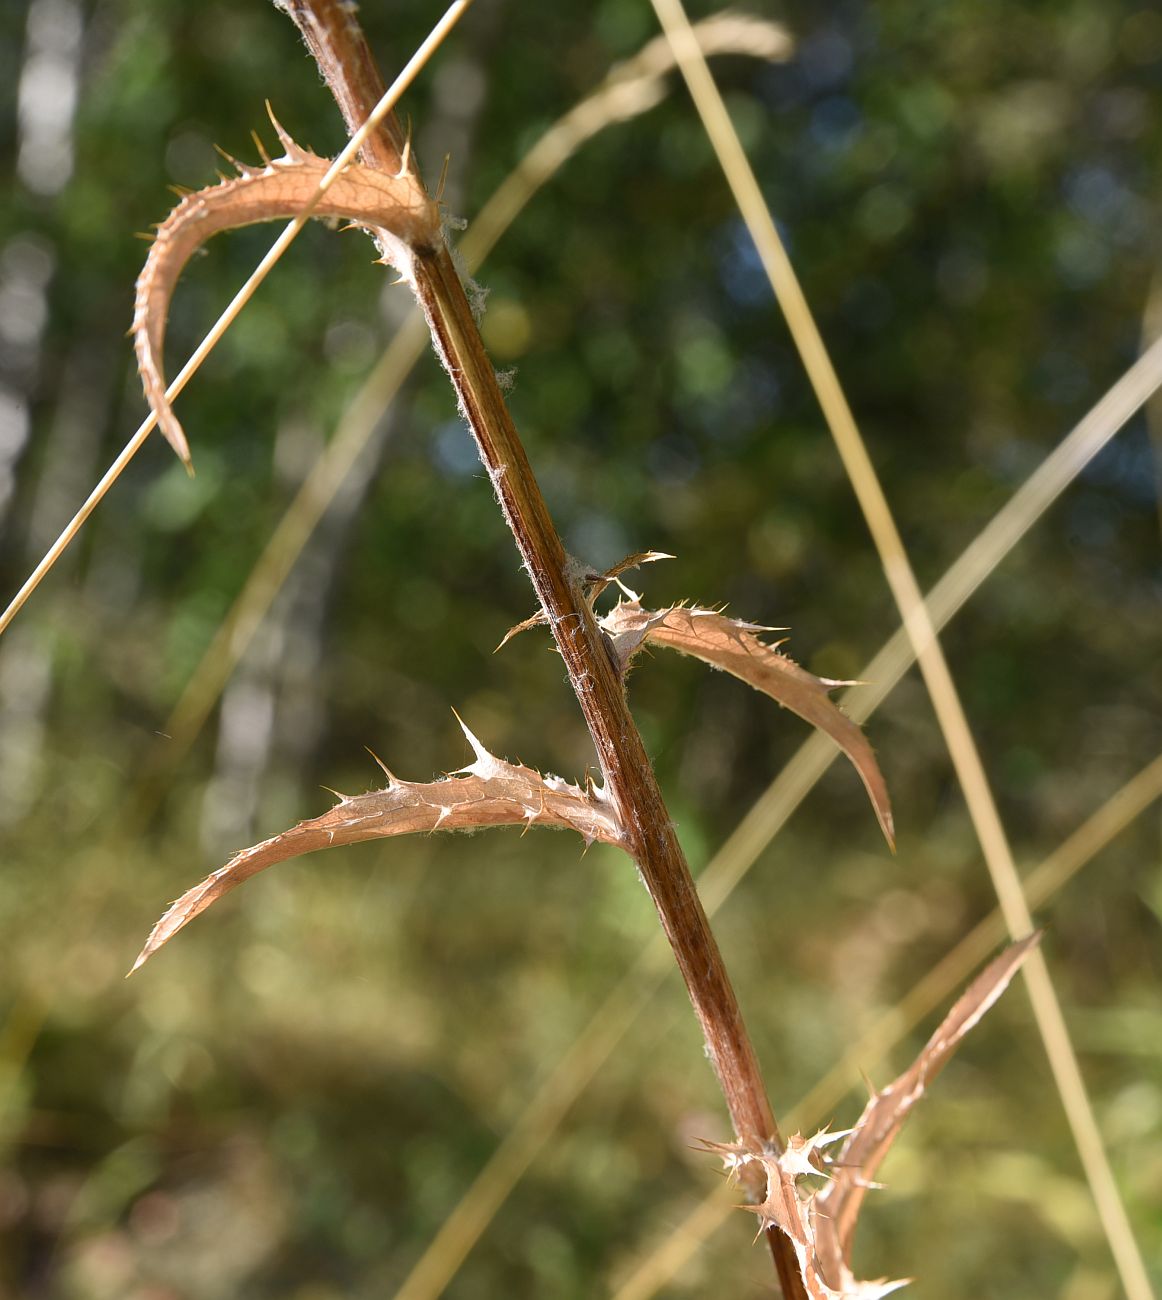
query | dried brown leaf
(793,1213)
(820,1224)
(736,647)
(539,619)
(855,1165)
(393,209)
(488,792)
(594,584)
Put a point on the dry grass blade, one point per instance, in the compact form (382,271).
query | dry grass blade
(662,1264)
(921,632)
(92,501)
(630,89)
(884,671)
(733,646)
(240,299)
(1152,329)
(467,1221)
(274,565)
(1041,884)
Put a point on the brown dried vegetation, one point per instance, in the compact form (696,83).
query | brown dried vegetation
(809,1234)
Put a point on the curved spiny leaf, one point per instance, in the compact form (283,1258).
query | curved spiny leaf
(735,647)
(820,1224)
(488,792)
(855,1165)
(395,210)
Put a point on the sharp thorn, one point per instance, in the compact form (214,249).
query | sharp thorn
(392,779)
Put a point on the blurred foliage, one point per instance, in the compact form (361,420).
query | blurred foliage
(290,1101)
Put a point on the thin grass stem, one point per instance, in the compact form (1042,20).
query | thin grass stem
(922,633)
(387,102)
(674,1252)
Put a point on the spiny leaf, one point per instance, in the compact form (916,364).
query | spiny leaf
(594,584)
(820,1224)
(860,1156)
(488,792)
(734,646)
(539,619)
(393,209)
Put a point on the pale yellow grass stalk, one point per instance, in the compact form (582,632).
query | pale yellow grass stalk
(922,633)
(678,1248)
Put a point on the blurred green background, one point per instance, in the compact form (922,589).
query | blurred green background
(290,1101)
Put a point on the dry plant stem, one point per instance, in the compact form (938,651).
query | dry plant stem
(545,1110)
(333,36)
(628,775)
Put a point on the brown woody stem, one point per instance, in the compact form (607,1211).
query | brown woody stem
(337,43)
